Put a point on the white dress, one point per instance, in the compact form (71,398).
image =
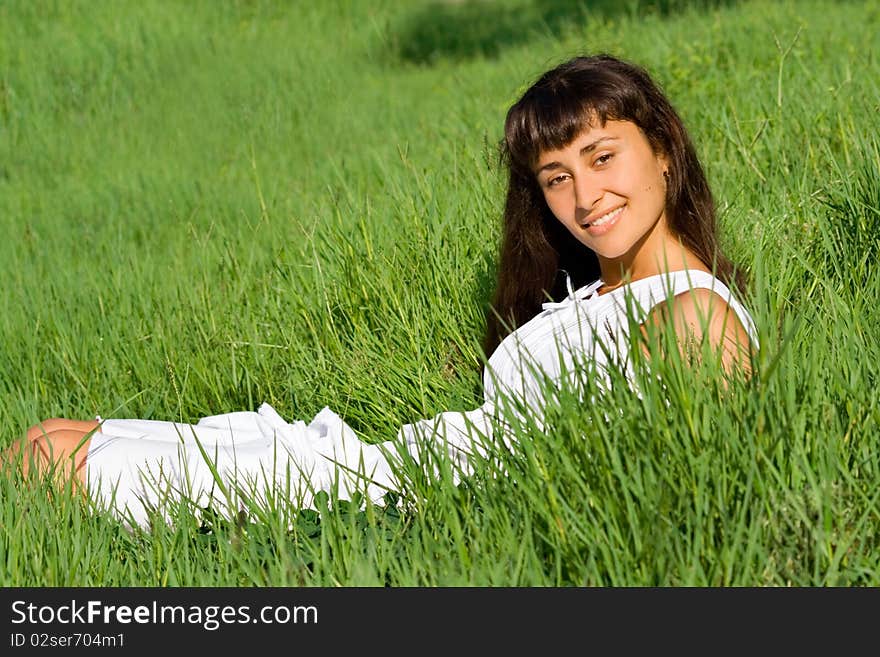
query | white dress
(134,466)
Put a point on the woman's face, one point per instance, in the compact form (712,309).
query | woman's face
(607,188)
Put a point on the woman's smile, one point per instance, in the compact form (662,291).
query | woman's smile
(603,223)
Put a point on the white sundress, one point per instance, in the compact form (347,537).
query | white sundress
(135,466)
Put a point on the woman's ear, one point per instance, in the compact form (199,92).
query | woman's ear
(663,163)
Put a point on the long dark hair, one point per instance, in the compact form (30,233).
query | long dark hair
(536,250)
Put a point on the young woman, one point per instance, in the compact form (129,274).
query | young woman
(605,195)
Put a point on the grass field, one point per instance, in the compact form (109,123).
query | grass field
(206,205)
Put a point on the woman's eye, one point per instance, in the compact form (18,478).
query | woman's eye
(604,159)
(552,182)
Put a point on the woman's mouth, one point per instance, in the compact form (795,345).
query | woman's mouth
(603,224)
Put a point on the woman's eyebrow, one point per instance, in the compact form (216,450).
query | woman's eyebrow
(586,149)
(593,144)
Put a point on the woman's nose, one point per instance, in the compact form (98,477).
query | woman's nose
(586,193)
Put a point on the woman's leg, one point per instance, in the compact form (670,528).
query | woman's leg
(61,452)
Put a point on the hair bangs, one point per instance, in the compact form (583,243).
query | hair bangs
(550,116)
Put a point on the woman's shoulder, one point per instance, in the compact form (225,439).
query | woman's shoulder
(700,307)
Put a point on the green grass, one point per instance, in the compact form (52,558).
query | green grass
(206,205)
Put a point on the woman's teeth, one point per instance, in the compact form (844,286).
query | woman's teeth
(605,218)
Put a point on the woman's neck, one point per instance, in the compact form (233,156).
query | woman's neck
(671,255)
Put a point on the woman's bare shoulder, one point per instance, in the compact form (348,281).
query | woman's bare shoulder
(701,315)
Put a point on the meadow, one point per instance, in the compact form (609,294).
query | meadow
(206,205)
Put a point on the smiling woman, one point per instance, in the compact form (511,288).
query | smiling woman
(605,195)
